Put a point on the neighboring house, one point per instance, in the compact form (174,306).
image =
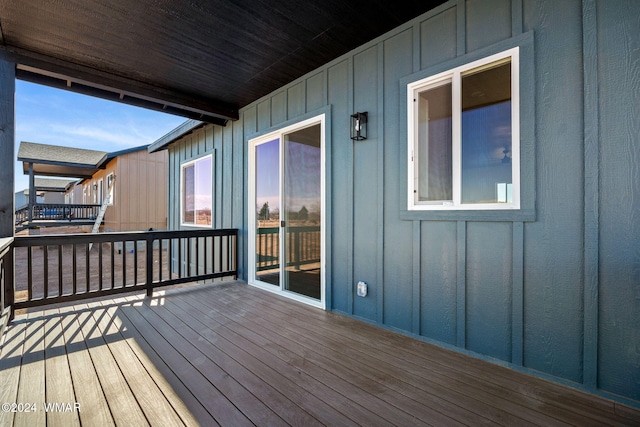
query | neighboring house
(140,185)
(53,190)
(22,198)
(42,161)
(73,192)
(139,193)
(492,208)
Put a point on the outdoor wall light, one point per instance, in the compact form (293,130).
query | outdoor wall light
(359,126)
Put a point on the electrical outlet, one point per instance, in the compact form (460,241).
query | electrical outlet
(362,289)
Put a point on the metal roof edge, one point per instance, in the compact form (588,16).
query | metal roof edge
(163,142)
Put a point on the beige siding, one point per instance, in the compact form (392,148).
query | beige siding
(140,192)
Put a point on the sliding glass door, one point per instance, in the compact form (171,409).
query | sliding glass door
(287,234)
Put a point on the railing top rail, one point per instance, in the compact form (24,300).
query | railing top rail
(24,241)
(5,243)
(66,205)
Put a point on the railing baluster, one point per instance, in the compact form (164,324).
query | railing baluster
(220,253)
(113,270)
(75,270)
(45,266)
(135,262)
(188,256)
(206,257)
(229,260)
(160,241)
(197,263)
(179,260)
(87,268)
(60,270)
(100,266)
(170,257)
(149,265)
(124,263)
(29,273)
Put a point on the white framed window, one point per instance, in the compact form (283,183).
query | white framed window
(196,192)
(111,190)
(100,191)
(464,136)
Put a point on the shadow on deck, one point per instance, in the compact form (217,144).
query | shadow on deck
(233,355)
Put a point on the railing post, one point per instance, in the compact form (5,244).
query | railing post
(235,254)
(149,266)
(9,282)
(6,286)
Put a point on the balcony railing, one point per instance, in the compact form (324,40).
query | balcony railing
(60,268)
(57,212)
(6,280)
(22,215)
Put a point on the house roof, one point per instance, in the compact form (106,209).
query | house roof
(177,133)
(52,184)
(115,154)
(201,59)
(53,160)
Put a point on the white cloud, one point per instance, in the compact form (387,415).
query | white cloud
(92,135)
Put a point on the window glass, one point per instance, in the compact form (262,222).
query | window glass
(434,144)
(188,213)
(486,134)
(197,192)
(202,192)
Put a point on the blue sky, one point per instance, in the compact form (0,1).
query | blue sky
(57,117)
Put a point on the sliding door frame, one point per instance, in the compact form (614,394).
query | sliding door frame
(253,143)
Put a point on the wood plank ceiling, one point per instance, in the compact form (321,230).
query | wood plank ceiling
(203,59)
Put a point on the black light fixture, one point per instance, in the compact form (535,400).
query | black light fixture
(359,126)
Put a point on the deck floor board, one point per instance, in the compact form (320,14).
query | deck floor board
(156,408)
(95,409)
(122,402)
(452,370)
(10,366)
(398,405)
(58,381)
(31,388)
(217,349)
(401,387)
(188,407)
(233,355)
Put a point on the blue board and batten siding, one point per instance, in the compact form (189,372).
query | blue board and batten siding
(556,291)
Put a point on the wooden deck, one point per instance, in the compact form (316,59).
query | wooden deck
(233,355)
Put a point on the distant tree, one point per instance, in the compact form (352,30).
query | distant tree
(264,212)
(303,213)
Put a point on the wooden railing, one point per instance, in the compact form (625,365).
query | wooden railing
(22,215)
(6,281)
(57,212)
(303,247)
(51,211)
(59,268)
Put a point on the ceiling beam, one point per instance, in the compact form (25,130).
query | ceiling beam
(55,72)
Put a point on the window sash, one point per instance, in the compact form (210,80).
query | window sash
(454,76)
(197,215)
